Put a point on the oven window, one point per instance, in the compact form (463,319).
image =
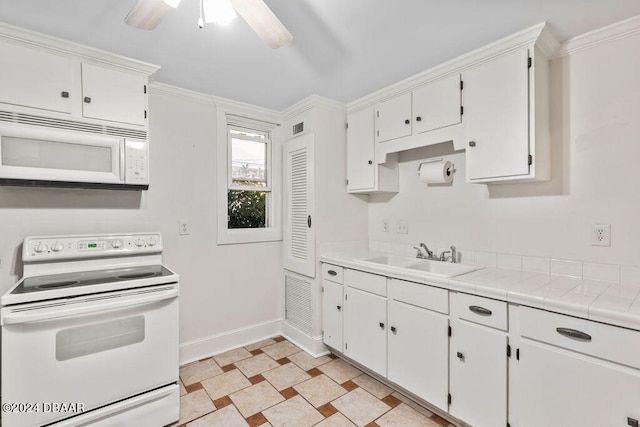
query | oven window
(84,340)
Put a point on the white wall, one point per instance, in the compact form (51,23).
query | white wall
(595,119)
(223,288)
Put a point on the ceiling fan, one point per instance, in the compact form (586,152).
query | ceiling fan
(147,14)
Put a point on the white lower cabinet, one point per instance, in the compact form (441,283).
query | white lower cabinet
(332,304)
(365,329)
(418,357)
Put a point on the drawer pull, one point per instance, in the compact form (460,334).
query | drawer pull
(332,273)
(339,307)
(460,355)
(381,325)
(632,422)
(480,310)
(393,329)
(573,333)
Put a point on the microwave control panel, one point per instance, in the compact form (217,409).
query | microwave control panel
(137,162)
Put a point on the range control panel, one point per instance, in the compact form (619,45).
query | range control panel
(45,248)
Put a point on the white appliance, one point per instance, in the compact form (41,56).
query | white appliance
(90,334)
(44,156)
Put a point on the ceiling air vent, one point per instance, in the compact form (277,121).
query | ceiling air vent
(298,128)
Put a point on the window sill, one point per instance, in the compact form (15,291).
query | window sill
(248,235)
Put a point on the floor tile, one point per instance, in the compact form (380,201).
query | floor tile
(257,420)
(183,390)
(193,387)
(225,384)
(412,404)
(256,365)
(259,344)
(195,405)
(280,349)
(340,371)
(232,356)
(360,406)
(295,412)
(320,390)
(227,417)
(404,415)
(306,361)
(286,376)
(256,398)
(373,386)
(336,420)
(198,371)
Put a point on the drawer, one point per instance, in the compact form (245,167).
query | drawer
(600,340)
(332,273)
(425,296)
(366,281)
(484,311)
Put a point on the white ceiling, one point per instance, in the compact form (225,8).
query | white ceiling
(341,49)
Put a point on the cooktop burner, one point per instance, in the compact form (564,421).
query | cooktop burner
(88,278)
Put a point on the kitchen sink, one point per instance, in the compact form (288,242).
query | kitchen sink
(437,268)
(444,269)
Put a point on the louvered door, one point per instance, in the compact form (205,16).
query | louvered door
(299,236)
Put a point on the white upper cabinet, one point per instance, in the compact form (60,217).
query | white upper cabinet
(497,107)
(364,174)
(35,78)
(437,105)
(113,95)
(393,118)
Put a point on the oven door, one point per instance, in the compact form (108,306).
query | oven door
(87,352)
(41,154)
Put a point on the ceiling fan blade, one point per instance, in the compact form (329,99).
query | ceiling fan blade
(262,20)
(147,14)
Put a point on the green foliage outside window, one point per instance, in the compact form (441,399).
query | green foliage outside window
(247,209)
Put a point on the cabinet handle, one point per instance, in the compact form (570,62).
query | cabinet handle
(64,94)
(480,310)
(309,221)
(574,333)
(381,325)
(472,143)
(339,307)
(370,162)
(632,422)
(407,121)
(418,119)
(393,329)
(332,273)
(87,99)
(460,355)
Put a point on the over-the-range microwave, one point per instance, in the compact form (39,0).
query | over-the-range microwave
(34,156)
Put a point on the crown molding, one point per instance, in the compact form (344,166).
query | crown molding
(313,101)
(178,92)
(619,30)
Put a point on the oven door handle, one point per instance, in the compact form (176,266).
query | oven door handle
(88,306)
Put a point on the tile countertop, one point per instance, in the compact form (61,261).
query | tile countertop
(600,301)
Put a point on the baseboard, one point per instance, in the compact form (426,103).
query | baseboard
(201,348)
(312,345)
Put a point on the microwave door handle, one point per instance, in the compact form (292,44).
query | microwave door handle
(122,159)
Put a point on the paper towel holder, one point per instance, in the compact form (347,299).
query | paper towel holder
(439,159)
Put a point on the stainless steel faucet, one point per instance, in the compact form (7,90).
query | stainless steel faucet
(452,258)
(425,253)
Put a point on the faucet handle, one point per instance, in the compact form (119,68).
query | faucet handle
(454,254)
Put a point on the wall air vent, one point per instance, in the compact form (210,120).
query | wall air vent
(73,125)
(297,302)
(298,128)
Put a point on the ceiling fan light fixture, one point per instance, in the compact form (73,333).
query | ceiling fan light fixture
(263,21)
(172,3)
(218,11)
(147,14)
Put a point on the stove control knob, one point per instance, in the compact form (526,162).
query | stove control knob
(116,244)
(151,242)
(57,247)
(139,243)
(41,247)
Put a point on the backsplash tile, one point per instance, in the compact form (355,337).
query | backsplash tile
(486,259)
(535,264)
(601,272)
(630,275)
(509,262)
(559,267)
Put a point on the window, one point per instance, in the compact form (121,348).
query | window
(249,180)
(249,191)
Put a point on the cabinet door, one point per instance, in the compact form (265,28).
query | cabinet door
(113,95)
(365,329)
(497,116)
(393,118)
(478,377)
(33,78)
(437,105)
(360,150)
(563,388)
(332,304)
(419,352)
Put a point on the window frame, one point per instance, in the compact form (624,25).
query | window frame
(273,230)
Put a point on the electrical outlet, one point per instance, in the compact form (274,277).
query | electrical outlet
(184,227)
(601,235)
(385,225)
(402,227)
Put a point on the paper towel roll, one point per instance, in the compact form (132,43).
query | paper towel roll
(436,173)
